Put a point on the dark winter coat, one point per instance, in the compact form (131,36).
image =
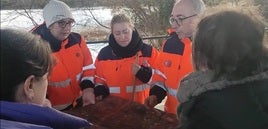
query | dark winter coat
(30,116)
(223,104)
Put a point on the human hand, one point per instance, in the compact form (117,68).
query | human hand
(99,98)
(101,91)
(88,96)
(150,101)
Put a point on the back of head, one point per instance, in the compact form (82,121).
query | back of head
(229,41)
(22,54)
(56,10)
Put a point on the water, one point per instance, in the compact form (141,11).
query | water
(17,19)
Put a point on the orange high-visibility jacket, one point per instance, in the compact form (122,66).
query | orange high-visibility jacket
(116,72)
(175,62)
(73,64)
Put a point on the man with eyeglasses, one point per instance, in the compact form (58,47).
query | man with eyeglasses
(71,79)
(175,55)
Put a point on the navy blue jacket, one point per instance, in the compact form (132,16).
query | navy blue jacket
(17,115)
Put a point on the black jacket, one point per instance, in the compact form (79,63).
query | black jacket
(223,104)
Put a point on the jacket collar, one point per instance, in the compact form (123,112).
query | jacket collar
(134,46)
(200,82)
(44,32)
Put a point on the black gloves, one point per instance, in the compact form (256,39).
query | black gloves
(158,92)
(86,84)
(101,90)
(144,74)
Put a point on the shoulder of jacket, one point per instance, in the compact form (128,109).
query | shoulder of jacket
(76,35)
(106,53)
(147,50)
(39,29)
(74,38)
(173,45)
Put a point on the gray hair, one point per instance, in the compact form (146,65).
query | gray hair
(198,5)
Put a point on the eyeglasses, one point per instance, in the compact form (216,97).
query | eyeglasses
(63,23)
(179,20)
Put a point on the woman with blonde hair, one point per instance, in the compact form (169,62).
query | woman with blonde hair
(125,67)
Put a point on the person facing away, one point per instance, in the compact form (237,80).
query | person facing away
(74,69)
(124,68)
(175,55)
(229,89)
(25,64)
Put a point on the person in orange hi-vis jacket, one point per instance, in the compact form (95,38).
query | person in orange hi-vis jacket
(72,77)
(175,56)
(125,67)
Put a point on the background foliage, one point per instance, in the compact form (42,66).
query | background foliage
(150,16)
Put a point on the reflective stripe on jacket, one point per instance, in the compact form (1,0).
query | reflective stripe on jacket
(116,72)
(175,62)
(73,63)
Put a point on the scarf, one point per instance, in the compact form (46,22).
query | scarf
(130,50)
(44,32)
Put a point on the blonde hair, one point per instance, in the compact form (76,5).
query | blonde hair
(119,18)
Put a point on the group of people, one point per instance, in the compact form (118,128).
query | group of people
(213,69)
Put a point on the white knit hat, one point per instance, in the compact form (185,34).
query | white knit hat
(56,10)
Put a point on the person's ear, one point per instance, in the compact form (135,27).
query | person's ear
(28,87)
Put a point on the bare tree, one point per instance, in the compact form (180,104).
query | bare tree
(150,16)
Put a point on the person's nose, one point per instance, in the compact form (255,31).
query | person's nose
(175,25)
(122,36)
(68,27)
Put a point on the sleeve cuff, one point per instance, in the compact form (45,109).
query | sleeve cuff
(158,92)
(144,74)
(86,84)
(101,90)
